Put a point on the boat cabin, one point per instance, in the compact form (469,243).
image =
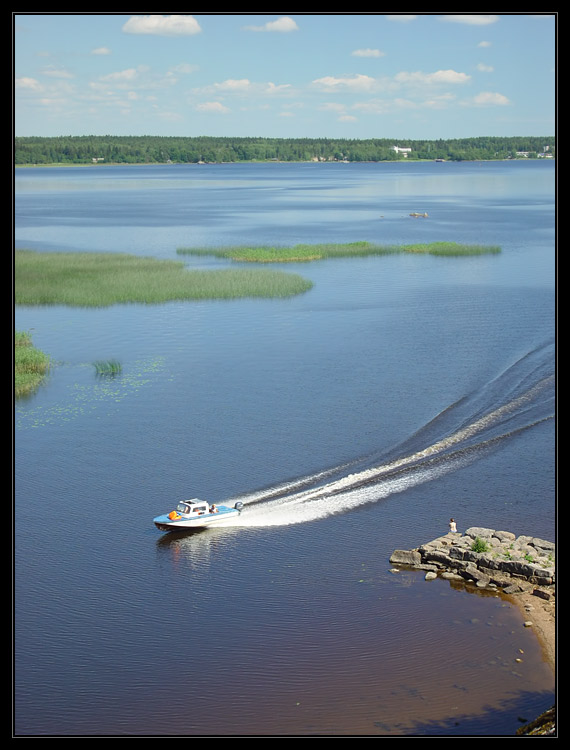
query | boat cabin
(193,507)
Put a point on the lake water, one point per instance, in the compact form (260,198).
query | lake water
(351,420)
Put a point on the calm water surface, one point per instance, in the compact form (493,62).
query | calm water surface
(351,420)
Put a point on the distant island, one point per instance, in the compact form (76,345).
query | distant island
(303,252)
(108,149)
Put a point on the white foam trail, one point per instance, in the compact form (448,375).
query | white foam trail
(284,487)
(288,504)
(298,510)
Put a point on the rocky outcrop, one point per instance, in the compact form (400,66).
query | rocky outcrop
(490,559)
(487,558)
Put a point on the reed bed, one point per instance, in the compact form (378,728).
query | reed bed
(108,367)
(452,249)
(103,279)
(305,253)
(30,365)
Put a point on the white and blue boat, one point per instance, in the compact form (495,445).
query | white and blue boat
(194,514)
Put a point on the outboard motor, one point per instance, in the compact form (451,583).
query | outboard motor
(238,505)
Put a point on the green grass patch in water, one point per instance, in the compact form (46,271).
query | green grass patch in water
(305,253)
(108,367)
(451,249)
(30,365)
(103,279)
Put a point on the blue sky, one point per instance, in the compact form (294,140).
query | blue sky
(319,75)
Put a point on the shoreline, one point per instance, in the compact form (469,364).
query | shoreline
(270,161)
(522,569)
(540,615)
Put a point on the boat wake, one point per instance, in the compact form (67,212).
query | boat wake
(518,399)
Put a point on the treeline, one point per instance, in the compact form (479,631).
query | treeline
(162,149)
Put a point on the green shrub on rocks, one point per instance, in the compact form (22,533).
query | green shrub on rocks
(479,545)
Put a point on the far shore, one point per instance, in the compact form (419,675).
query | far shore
(267,161)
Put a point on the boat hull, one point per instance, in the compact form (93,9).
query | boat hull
(164,523)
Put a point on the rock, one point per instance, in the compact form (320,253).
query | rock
(437,556)
(449,576)
(473,573)
(546,595)
(406,557)
(512,563)
(542,544)
(478,531)
(429,576)
(505,536)
(457,553)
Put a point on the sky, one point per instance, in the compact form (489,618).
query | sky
(285,76)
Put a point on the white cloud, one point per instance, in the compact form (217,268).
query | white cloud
(368,53)
(272,88)
(374,106)
(140,78)
(357,82)
(400,104)
(184,68)
(440,76)
(483,68)
(471,20)
(424,89)
(439,102)
(332,106)
(52,102)
(484,44)
(175,25)
(57,73)
(242,86)
(490,98)
(121,76)
(283,24)
(29,84)
(232,84)
(215,107)
(101,51)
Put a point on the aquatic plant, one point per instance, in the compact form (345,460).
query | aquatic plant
(30,365)
(305,252)
(98,395)
(451,248)
(102,279)
(110,367)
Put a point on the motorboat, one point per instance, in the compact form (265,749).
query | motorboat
(194,514)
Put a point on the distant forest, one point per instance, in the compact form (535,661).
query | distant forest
(91,149)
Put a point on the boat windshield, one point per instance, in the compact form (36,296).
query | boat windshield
(182,508)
